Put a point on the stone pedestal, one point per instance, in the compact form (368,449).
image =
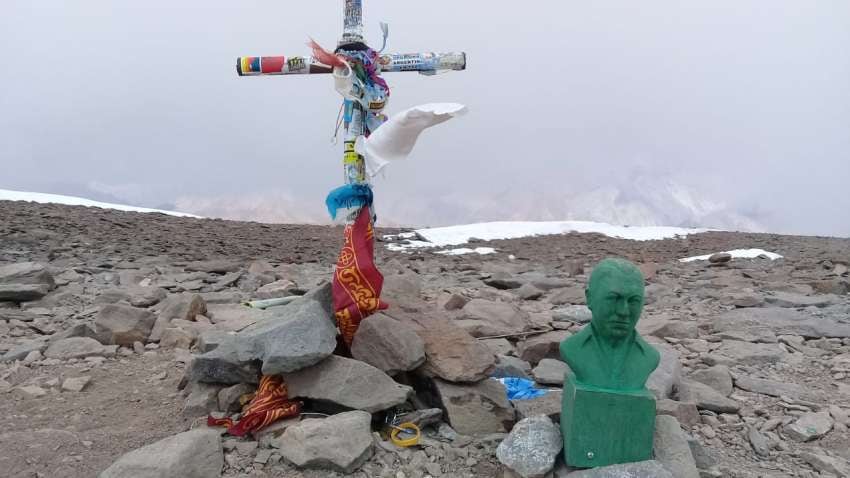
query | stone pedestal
(603,427)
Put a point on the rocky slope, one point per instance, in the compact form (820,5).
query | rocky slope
(119,332)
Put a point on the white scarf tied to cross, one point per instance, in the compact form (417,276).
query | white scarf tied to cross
(395,139)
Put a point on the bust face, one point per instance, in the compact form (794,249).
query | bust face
(616,299)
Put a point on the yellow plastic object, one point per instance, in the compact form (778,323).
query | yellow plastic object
(405,442)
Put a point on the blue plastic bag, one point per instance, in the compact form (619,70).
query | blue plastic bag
(521,388)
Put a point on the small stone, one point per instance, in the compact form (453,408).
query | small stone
(706,398)
(341,442)
(32,391)
(550,372)
(74,347)
(717,377)
(246,448)
(76,384)
(531,447)
(263,456)
(475,409)
(719,258)
(759,443)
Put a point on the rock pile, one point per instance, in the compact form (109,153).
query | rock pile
(753,378)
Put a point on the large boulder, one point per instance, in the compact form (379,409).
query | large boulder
(26,273)
(530,448)
(123,324)
(289,339)
(454,355)
(388,345)
(22,292)
(483,318)
(717,377)
(475,409)
(193,454)
(348,383)
(340,443)
(733,352)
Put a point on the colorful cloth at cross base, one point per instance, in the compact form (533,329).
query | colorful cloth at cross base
(270,403)
(357,282)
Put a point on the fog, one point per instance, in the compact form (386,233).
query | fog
(577,110)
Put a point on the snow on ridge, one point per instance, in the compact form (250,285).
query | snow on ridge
(488,231)
(43,198)
(738,254)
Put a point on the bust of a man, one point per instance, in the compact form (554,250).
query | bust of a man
(609,353)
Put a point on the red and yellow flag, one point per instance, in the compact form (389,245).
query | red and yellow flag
(271,403)
(357,282)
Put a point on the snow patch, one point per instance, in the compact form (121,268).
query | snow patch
(42,198)
(738,254)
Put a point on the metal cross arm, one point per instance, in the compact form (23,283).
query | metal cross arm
(425,63)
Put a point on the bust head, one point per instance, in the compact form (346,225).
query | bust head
(615,297)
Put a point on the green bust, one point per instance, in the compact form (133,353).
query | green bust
(608,353)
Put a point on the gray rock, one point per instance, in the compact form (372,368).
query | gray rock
(578,314)
(759,442)
(550,372)
(772,388)
(824,463)
(640,469)
(781,321)
(790,299)
(702,457)
(22,292)
(123,324)
(678,329)
(19,352)
(455,302)
(228,397)
(504,282)
(746,353)
(569,295)
(193,454)
(537,347)
(548,404)
(719,258)
(388,345)
(76,347)
(706,398)
(809,426)
(183,307)
(507,366)
(75,384)
(529,292)
(340,443)
(348,383)
(293,337)
(685,413)
(220,266)
(78,330)
(531,447)
(26,273)
(146,296)
(483,318)
(202,400)
(276,289)
(670,447)
(743,299)
(475,409)
(454,355)
(499,346)
(176,338)
(210,339)
(717,377)
(668,374)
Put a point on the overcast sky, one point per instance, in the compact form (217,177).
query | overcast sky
(745,101)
